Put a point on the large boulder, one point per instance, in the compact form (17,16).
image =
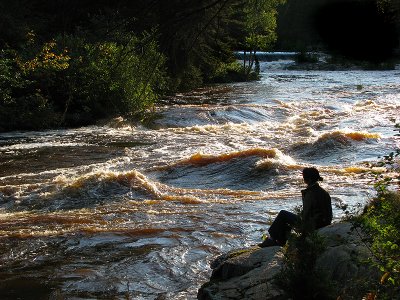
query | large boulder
(249,273)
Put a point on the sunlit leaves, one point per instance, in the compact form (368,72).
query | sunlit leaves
(260,23)
(48,58)
(382,222)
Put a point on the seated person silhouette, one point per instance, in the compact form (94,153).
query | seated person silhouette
(316,213)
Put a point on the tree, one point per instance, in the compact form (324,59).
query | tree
(260,24)
(86,59)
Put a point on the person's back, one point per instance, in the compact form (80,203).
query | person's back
(317,207)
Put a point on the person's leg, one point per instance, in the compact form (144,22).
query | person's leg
(282,225)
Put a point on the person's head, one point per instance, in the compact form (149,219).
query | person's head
(311,175)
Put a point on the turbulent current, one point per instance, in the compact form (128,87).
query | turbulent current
(125,212)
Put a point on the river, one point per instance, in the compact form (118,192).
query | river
(129,212)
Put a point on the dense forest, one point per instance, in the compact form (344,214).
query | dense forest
(70,63)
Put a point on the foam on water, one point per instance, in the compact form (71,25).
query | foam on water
(127,210)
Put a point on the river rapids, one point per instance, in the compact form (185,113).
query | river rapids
(132,212)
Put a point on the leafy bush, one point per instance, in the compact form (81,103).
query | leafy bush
(79,82)
(190,78)
(102,58)
(381,221)
(300,278)
(22,105)
(109,78)
(230,72)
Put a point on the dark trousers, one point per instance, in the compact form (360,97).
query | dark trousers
(282,225)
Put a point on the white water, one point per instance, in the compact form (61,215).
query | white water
(132,211)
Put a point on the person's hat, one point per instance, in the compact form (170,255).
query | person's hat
(312,174)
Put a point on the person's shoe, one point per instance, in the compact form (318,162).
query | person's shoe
(268,242)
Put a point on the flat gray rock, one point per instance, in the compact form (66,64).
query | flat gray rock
(249,273)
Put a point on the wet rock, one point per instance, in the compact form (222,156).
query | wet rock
(244,274)
(249,273)
(346,254)
(238,263)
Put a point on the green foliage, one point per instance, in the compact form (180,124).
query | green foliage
(191,77)
(260,29)
(260,23)
(381,221)
(9,78)
(230,72)
(69,63)
(391,163)
(21,104)
(114,78)
(79,82)
(300,278)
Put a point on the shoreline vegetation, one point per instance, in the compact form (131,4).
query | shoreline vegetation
(71,63)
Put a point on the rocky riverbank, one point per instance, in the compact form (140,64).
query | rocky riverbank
(250,273)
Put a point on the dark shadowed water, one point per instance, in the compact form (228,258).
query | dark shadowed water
(138,213)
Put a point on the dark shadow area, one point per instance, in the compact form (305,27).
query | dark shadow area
(357,30)
(26,288)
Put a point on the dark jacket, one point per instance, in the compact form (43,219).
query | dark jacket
(317,206)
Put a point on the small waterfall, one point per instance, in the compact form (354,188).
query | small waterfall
(269,56)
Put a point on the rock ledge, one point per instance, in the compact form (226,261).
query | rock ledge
(249,273)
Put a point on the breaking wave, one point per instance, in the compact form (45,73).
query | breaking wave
(249,169)
(343,136)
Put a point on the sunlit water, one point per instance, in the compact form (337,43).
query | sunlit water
(138,213)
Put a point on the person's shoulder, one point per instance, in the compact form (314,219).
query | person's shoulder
(314,189)
(323,191)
